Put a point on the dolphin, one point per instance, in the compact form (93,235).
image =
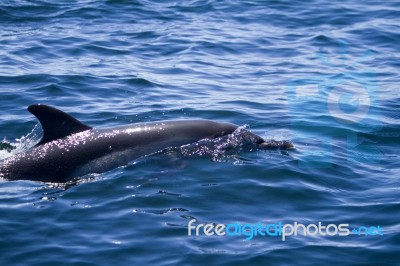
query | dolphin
(69,148)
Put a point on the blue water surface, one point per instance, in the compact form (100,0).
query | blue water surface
(323,74)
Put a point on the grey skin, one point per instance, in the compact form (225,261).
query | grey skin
(71,149)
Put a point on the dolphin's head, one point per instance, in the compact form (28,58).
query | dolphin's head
(222,129)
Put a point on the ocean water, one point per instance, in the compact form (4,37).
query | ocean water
(323,74)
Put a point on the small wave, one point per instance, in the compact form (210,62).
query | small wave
(159,211)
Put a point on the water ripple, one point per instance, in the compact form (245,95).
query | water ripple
(114,62)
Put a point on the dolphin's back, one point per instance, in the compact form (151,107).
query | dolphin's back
(99,150)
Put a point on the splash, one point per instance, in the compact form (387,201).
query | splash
(5,145)
(9,148)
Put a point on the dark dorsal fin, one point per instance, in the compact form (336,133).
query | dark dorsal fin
(55,123)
